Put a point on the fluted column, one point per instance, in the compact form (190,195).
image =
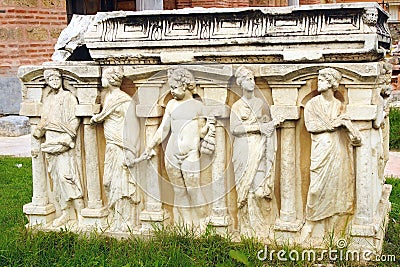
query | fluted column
(153,213)
(92,166)
(288,172)
(285,105)
(95,214)
(39,211)
(215,96)
(362,113)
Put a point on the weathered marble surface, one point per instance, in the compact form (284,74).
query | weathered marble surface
(72,37)
(269,34)
(286,139)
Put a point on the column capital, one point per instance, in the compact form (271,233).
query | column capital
(285,94)
(149,83)
(220,112)
(31,109)
(214,95)
(87,92)
(289,113)
(286,85)
(87,110)
(148,94)
(149,111)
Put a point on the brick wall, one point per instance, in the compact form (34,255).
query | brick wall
(270,3)
(169,4)
(230,3)
(28,31)
(206,3)
(182,3)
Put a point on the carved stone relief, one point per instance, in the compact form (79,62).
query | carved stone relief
(331,191)
(59,126)
(262,30)
(254,149)
(121,131)
(184,120)
(295,133)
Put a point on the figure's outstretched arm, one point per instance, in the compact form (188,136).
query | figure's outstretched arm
(161,132)
(157,139)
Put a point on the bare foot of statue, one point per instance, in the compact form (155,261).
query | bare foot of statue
(63,219)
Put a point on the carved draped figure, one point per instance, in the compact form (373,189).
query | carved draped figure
(60,125)
(331,190)
(121,130)
(253,158)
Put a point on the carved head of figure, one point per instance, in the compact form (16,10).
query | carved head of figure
(370,16)
(328,78)
(53,79)
(180,80)
(245,78)
(112,76)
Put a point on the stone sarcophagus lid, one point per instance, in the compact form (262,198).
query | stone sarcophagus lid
(266,122)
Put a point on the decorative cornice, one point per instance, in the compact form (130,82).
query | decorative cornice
(140,37)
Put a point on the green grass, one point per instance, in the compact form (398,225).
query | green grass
(174,246)
(392,238)
(15,190)
(394,118)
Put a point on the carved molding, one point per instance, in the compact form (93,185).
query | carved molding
(141,37)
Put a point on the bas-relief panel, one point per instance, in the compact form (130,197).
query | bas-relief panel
(270,35)
(246,25)
(188,132)
(185,136)
(251,149)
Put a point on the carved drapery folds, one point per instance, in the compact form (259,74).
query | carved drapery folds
(247,146)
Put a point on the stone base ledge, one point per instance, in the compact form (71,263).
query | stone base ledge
(288,226)
(32,209)
(94,213)
(153,216)
(363,230)
(220,221)
(371,236)
(39,215)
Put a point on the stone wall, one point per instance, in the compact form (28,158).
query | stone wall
(28,31)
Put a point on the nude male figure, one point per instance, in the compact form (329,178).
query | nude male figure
(183,119)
